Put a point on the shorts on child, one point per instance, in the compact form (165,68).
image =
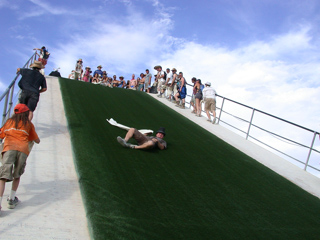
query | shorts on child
(13,164)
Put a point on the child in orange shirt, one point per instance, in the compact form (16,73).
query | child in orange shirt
(18,131)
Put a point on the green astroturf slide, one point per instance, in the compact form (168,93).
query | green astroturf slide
(199,188)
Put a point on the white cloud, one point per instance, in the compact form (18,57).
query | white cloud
(49,7)
(3,86)
(8,4)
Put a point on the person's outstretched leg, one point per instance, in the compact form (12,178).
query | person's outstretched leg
(129,134)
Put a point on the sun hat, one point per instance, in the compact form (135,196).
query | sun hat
(88,67)
(121,77)
(157,66)
(208,83)
(99,66)
(36,64)
(162,130)
(21,108)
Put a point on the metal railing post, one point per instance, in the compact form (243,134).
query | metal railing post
(250,123)
(10,101)
(220,110)
(310,150)
(5,109)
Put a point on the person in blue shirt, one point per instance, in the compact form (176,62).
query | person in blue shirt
(122,82)
(98,71)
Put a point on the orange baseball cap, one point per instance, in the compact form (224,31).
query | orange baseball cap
(21,108)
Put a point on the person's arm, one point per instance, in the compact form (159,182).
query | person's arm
(160,146)
(18,70)
(194,88)
(168,78)
(150,76)
(42,90)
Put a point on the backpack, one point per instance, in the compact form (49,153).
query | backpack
(165,75)
(201,87)
(46,54)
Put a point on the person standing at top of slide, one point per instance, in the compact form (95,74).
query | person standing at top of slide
(78,71)
(32,84)
(44,55)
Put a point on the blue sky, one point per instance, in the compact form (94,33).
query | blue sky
(262,53)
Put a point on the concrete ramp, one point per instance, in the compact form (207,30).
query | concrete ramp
(51,205)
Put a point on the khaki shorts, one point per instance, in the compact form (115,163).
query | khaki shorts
(169,90)
(210,105)
(162,85)
(13,164)
(141,138)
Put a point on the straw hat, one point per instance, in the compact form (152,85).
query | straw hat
(36,64)
(99,66)
(157,66)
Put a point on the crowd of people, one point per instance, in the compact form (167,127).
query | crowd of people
(169,84)
(141,83)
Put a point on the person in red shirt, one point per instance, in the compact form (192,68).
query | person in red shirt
(17,132)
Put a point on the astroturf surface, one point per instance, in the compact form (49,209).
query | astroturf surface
(199,188)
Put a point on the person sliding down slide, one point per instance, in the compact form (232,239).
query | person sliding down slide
(144,142)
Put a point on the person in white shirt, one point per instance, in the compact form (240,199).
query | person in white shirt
(78,70)
(161,87)
(169,84)
(209,97)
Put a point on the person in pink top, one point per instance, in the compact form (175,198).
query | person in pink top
(86,75)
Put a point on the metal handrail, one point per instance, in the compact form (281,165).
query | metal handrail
(251,125)
(8,93)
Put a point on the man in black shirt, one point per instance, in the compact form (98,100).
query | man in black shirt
(32,84)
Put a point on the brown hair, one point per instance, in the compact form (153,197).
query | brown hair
(20,119)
